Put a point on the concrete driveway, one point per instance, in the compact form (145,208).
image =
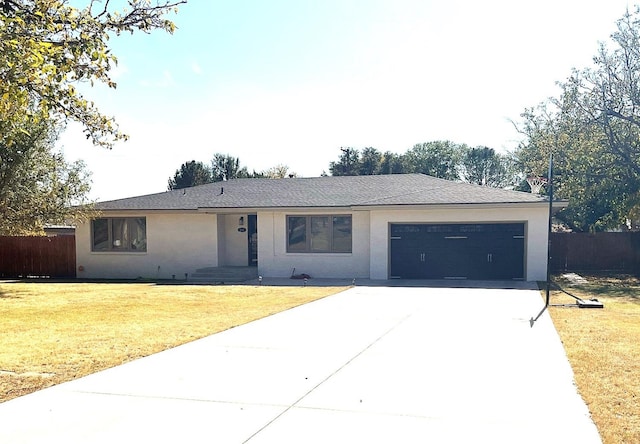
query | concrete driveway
(369,365)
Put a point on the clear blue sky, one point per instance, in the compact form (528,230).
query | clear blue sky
(291,81)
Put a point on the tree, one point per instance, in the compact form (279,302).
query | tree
(443,159)
(439,159)
(483,166)
(347,165)
(391,163)
(279,171)
(48,46)
(190,174)
(37,186)
(225,167)
(370,162)
(584,172)
(593,131)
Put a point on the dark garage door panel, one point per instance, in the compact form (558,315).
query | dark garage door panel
(457,251)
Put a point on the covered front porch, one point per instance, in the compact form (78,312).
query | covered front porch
(237,240)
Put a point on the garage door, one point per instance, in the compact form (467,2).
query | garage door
(457,251)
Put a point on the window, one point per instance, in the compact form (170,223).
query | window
(119,234)
(319,234)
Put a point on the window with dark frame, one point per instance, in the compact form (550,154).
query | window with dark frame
(319,234)
(119,234)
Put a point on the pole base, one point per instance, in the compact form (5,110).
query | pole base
(592,303)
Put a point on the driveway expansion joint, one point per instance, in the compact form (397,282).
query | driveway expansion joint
(353,358)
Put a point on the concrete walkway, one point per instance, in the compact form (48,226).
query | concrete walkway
(369,365)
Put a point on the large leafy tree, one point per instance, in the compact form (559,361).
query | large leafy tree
(438,158)
(48,46)
(391,163)
(226,167)
(584,171)
(190,174)
(370,162)
(483,166)
(37,186)
(348,164)
(593,131)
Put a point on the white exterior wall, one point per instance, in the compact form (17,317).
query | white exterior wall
(535,219)
(181,243)
(274,261)
(176,244)
(234,245)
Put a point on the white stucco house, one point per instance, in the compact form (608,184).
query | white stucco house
(406,226)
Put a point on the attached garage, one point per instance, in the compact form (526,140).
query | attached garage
(478,251)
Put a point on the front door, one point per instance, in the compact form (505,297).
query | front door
(252,231)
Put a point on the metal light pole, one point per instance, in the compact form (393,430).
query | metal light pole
(550,185)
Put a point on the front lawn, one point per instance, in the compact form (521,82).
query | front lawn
(56,332)
(603,346)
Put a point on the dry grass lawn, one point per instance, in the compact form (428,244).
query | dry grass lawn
(604,349)
(56,332)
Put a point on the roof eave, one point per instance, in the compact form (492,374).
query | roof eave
(454,206)
(293,209)
(147,210)
(557,205)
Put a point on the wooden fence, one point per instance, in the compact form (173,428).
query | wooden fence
(26,256)
(22,256)
(595,252)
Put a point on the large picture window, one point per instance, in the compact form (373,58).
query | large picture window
(319,234)
(119,234)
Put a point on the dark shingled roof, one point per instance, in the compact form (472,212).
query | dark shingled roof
(332,191)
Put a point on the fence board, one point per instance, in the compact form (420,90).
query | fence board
(25,256)
(595,252)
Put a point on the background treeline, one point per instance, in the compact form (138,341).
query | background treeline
(444,159)
(222,167)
